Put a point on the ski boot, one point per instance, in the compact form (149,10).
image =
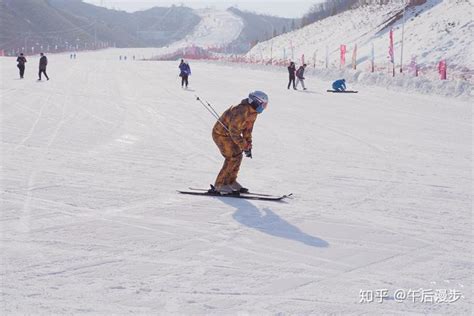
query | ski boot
(226,189)
(238,187)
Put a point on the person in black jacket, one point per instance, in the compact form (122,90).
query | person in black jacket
(291,72)
(42,66)
(21,60)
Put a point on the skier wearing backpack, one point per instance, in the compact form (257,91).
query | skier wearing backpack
(300,76)
(185,72)
(232,134)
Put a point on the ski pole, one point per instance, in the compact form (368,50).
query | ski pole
(213,113)
(248,153)
(210,106)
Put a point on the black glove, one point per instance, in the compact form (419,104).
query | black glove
(248,153)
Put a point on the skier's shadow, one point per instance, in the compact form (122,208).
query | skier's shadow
(266,221)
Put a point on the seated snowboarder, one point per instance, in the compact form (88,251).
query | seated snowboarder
(339,85)
(233,136)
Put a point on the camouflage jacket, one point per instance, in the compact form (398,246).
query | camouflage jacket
(239,120)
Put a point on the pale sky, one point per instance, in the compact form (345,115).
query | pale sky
(283,8)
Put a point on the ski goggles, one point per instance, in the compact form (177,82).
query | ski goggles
(262,105)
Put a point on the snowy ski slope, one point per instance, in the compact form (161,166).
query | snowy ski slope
(439,29)
(91,223)
(217,27)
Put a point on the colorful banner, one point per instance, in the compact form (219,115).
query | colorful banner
(442,69)
(343,56)
(354,57)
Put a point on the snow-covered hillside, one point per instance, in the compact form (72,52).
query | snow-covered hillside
(433,31)
(90,221)
(216,28)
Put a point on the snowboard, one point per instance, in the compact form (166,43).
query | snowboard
(346,91)
(247,196)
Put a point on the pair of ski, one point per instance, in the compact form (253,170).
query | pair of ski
(248,195)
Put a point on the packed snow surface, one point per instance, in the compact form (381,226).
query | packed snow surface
(91,222)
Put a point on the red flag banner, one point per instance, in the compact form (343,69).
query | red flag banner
(442,69)
(343,55)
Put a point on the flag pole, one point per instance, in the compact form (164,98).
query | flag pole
(403,33)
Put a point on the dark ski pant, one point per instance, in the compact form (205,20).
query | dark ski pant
(292,79)
(233,158)
(22,70)
(42,71)
(184,80)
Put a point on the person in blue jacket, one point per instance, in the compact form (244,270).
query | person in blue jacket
(339,85)
(185,72)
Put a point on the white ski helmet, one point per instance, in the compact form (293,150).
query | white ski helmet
(259,100)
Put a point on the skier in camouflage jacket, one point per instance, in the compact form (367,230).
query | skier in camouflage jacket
(233,136)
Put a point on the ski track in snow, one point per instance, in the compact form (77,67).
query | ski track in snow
(91,222)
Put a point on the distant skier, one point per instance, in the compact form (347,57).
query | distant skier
(236,138)
(185,72)
(300,76)
(339,85)
(21,60)
(42,66)
(291,73)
